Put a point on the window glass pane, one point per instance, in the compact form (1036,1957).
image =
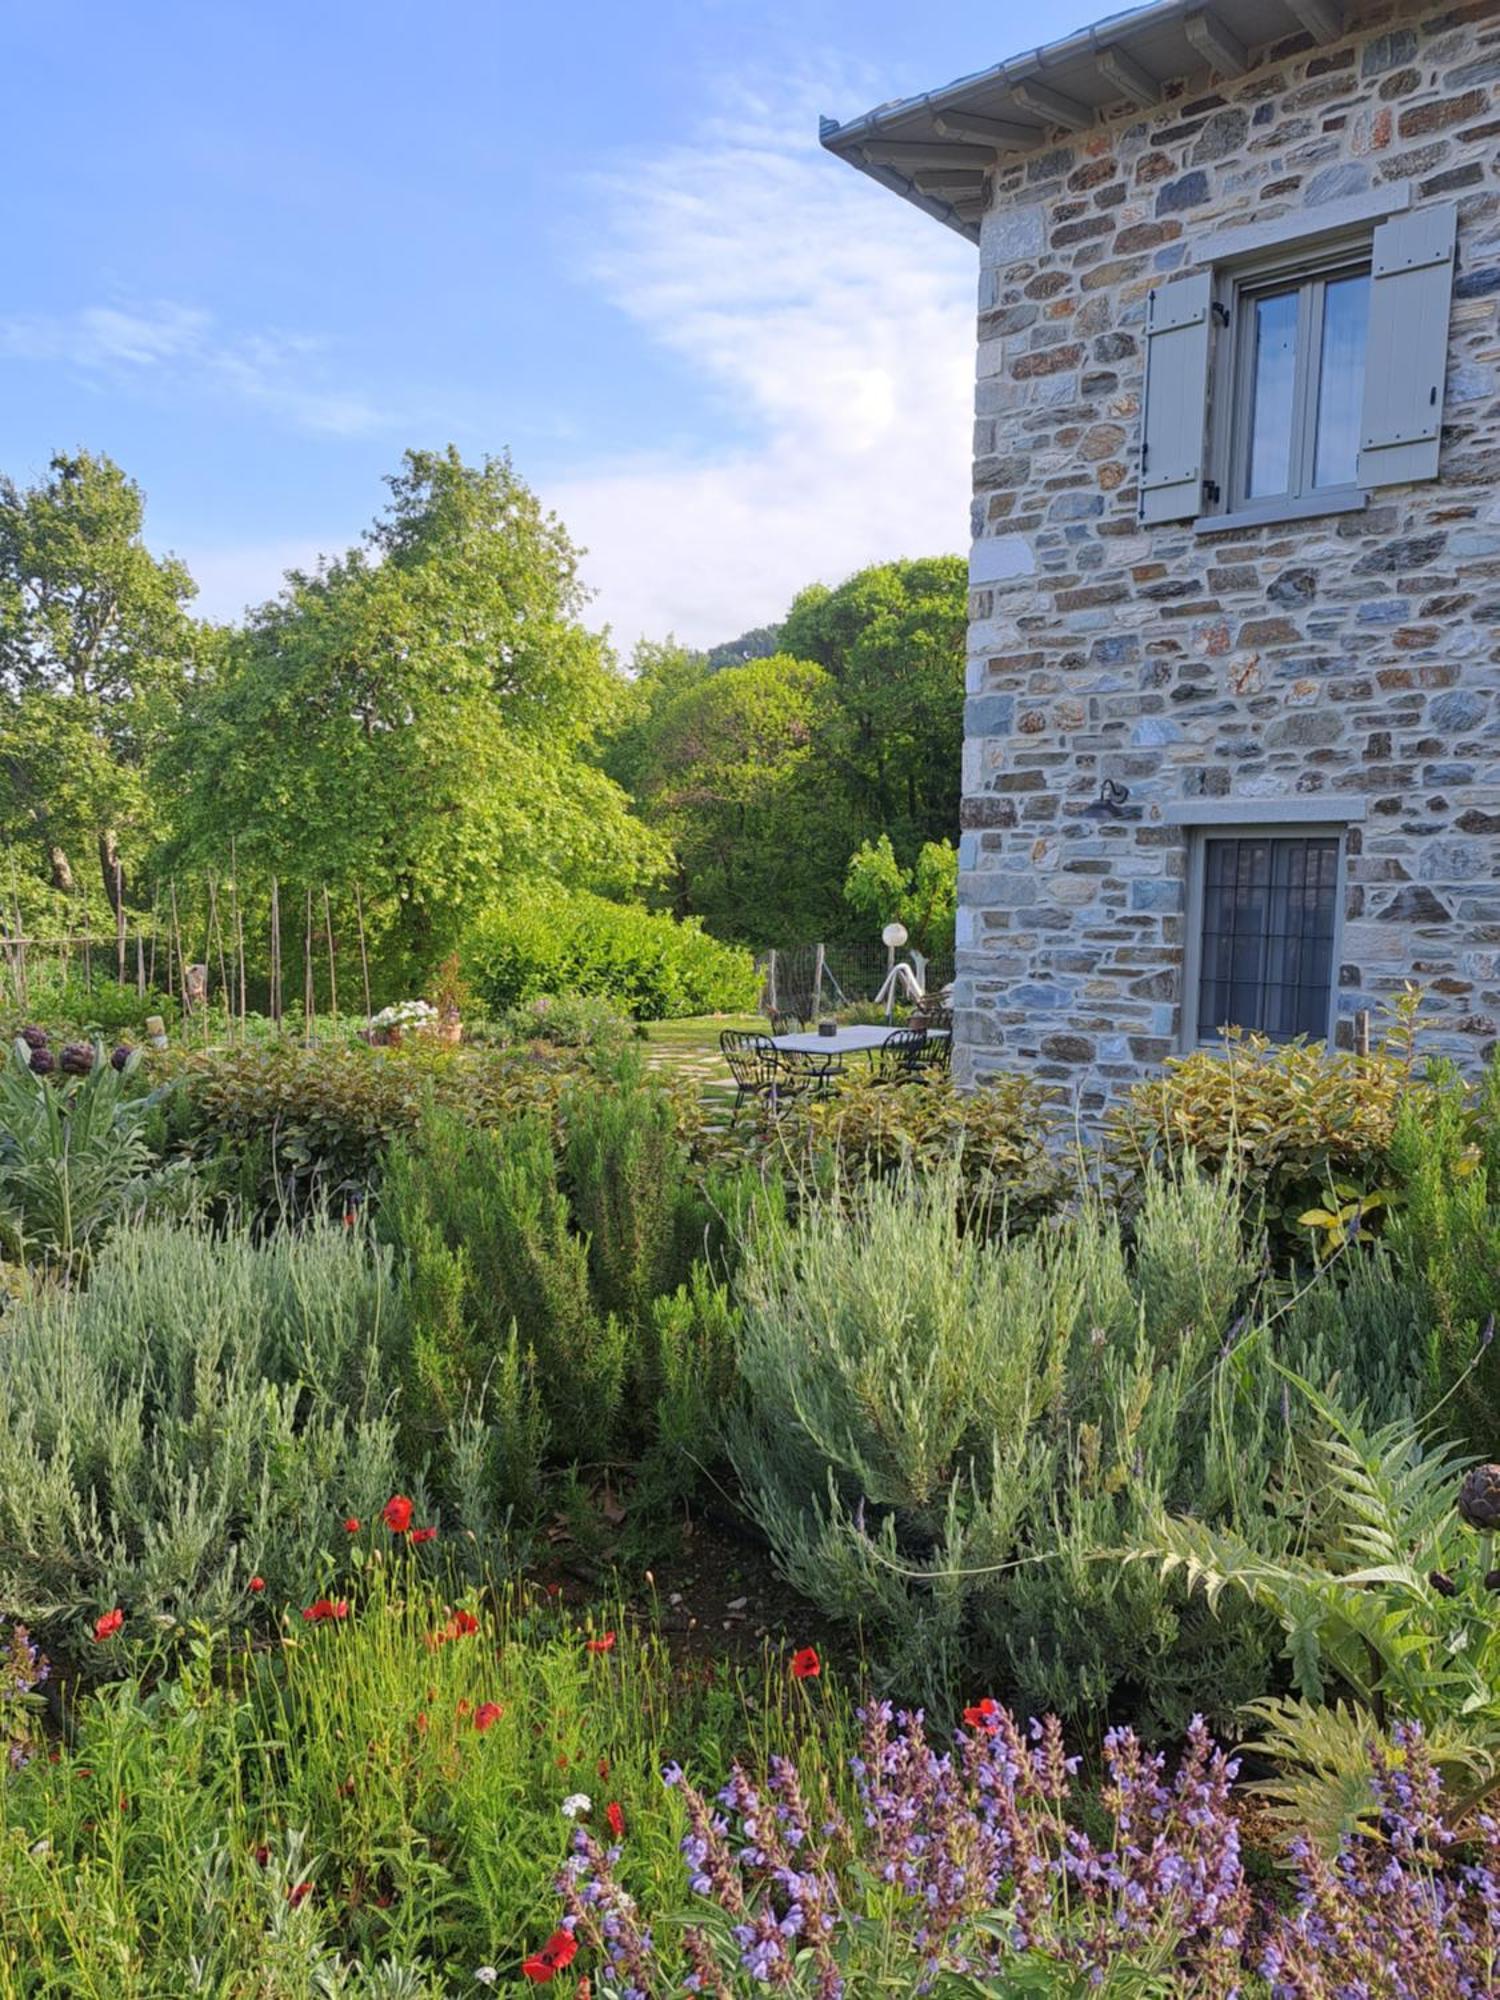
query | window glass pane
(1273,382)
(1341,388)
(1267,936)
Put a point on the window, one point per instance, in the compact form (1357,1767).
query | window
(1301,389)
(1300,355)
(1265,909)
(1287,375)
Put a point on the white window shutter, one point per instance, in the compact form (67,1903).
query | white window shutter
(1179,321)
(1406,352)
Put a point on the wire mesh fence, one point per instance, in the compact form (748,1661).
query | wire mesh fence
(810,980)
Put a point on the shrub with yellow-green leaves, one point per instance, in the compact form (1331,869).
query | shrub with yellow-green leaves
(1003,1139)
(1306,1129)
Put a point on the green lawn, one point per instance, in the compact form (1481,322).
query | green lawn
(692,1048)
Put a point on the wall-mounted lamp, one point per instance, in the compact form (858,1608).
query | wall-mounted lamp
(1112,796)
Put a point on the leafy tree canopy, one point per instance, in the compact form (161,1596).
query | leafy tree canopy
(414,719)
(734,784)
(892,638)
(923,897)
(96,647)
(759,643)
(764,776)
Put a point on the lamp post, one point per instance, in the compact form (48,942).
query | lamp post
(892,937)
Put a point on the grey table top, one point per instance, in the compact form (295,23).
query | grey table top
(847,1041)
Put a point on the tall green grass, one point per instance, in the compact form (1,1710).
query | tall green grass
(163,1853)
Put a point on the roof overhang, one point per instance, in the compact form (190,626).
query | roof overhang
(938,150)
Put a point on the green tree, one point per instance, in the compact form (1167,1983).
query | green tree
(417,719)
(924,897)
(892,640)
(735,785)
(659,673)
(96,646)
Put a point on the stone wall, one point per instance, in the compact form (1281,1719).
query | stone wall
(1350,656)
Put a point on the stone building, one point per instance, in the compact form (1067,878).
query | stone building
(1233,731)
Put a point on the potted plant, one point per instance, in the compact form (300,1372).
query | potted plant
(392,1024)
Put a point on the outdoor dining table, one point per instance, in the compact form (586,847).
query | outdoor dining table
(846,1042)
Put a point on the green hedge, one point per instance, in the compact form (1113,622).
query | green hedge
(577,943)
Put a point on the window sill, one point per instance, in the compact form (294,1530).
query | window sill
(1311,507)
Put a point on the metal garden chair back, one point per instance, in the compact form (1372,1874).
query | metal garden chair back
(755,1065)
(902,1058)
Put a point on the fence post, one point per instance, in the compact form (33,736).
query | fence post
(771,1007)
(820,952)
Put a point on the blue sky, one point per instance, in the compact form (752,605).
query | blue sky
(262,248)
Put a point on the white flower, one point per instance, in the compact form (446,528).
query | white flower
(576,1804)
(486,1974)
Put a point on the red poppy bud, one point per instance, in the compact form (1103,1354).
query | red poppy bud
(257,1584)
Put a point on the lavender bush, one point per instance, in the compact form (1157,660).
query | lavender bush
(962,1873)
(23,1669)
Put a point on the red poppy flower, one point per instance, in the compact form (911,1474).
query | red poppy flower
(107,1626)
(326,1609)
(806,1666)
(422,1723)
(396,1513)
(423,1534)
(298,1893)
(464,1707)
(262,1857)
(351,1526)
(605,1643)
(616,1819)
(984,1714)
(487,1715)
(463,1623)
(257,1584)
(555,1955)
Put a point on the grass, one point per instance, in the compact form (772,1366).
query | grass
(691,1047)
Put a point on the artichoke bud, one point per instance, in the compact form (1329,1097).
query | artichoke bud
(1479,1498)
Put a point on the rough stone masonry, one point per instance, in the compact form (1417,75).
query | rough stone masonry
(1355,654)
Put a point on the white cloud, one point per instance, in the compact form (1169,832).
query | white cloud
(838,324)
(166,346)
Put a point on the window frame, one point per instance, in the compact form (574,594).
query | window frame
(1189,1037)
(1238,283)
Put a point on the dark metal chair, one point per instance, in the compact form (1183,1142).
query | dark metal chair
(753,1063)
(901,1058)
(806,1073)
(937,1056)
